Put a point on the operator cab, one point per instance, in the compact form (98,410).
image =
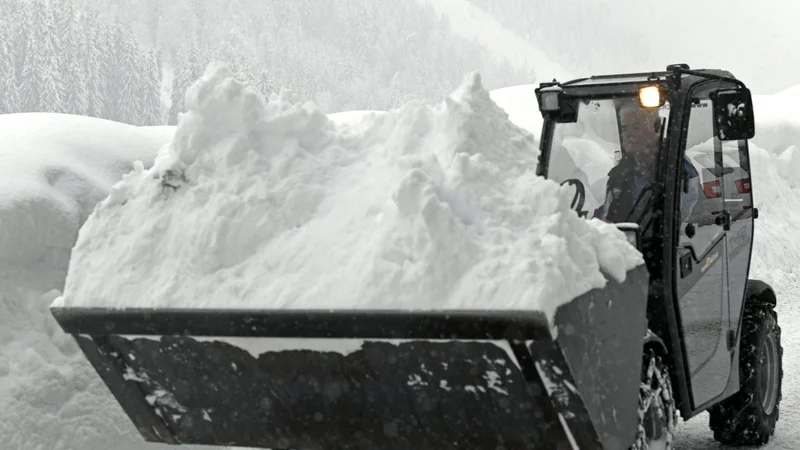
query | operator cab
(664,155)
(615,139)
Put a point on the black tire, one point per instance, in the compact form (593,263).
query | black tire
(658,416)
(749,416)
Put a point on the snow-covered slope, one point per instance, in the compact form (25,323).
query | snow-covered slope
(431,207)
(471,22)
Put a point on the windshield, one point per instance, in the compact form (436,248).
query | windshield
(611,151)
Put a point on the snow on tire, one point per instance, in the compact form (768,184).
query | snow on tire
(657,414)
(749,416)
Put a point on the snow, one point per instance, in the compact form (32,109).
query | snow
(431,207)
(520,103)
(777,120)
(359,120)
(54,169)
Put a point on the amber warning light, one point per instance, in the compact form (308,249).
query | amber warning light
(649,97)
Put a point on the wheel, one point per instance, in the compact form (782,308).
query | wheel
(657,414)
(749,416)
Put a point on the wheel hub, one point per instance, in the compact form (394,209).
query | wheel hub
(768,374)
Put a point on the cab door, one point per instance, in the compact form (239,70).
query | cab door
(738,200)
(701,278)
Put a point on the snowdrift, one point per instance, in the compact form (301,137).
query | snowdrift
(272,206)
(777,120)
(54,169)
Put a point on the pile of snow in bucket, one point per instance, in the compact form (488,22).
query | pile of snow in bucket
(260,204)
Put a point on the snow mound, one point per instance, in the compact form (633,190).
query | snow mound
(521,105)
(777,120)
(269,205)
(55,168)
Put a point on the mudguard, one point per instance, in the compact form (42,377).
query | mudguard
(376,379)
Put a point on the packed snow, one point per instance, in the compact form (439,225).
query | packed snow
(430,207)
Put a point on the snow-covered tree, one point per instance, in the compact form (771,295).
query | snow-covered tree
(94,69)
(151,90)
(190,71)
(130,76)
(41,87)
(266,84)
(8,88)
(244,73)
(75,94)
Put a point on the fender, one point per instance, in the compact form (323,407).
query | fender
(757,290)
(652,339)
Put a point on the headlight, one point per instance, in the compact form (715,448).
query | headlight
(549,99)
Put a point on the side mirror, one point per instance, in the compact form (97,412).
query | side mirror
(733,114)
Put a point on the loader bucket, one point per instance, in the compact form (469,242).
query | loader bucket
(376,379)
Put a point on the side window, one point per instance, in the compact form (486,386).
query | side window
(701,187)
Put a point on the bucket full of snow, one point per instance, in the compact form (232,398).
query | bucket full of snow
(278,281)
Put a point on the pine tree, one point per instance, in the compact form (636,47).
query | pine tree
(130,106)
(94,69)
(76,98)
(190,71)
(111,68)
(8,88)
(266,84)
(243,71)
(51,88)
(20,17)
(151,90)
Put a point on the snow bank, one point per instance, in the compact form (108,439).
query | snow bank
(54,169)
(270,206)
(777,120)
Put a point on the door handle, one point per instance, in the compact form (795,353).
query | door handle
(724,219)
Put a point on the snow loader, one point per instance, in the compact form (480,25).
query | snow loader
(686,332)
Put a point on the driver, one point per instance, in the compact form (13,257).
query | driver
(640,137)
(640,130)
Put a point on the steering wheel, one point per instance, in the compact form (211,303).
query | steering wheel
(580,195)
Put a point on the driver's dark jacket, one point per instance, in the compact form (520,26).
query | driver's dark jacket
(625,185)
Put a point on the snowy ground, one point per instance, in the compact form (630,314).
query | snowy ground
(68,164)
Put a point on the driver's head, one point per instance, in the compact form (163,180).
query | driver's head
(641,130)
